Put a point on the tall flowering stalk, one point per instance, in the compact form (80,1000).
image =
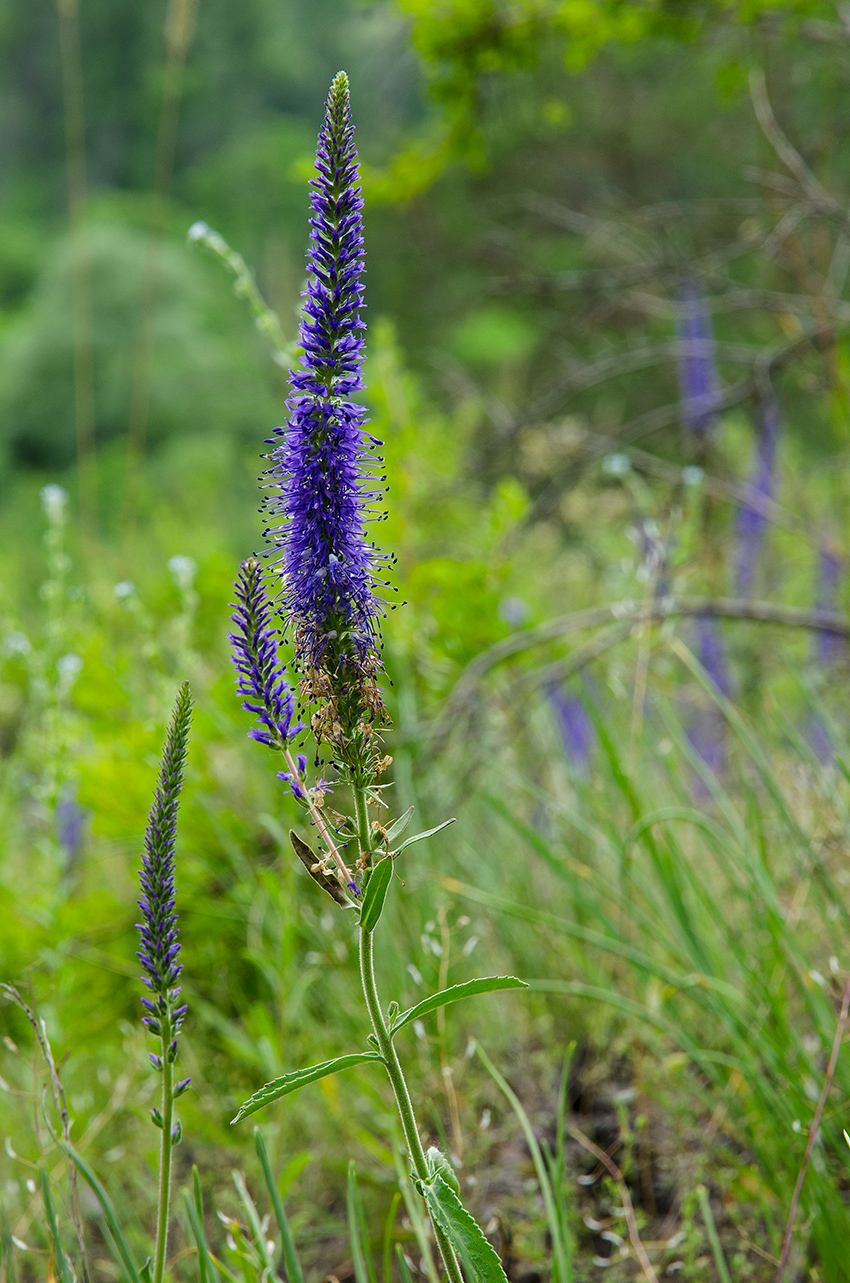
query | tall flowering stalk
(322,481)
(160,951)
(761,486)
(320,489)
(696,362)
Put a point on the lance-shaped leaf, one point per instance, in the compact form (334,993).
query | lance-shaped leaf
(299,1078)
(485,984)
(398,826)
(465,1235)
(375,894)
(420,837)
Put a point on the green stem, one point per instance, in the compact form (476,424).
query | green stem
(165,1152)
(388,1051)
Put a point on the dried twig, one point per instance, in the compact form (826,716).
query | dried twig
(628,1207)
(61,1105)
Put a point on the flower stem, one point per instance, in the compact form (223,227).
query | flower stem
(165,1151)
(389,1054)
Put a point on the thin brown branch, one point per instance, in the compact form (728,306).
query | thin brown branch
(628,1207)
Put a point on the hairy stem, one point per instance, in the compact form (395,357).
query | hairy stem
(388,1051)
(165,1152)
(318,819)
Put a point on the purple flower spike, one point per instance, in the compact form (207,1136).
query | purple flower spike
(574,725)
(160,944)
(760,486)
(259,672)
(321,483)
(828,646)
(696,361)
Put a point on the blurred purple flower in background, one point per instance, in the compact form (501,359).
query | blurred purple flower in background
(761,486)
(70,819)
(699,389)
(707,726)
(574,725)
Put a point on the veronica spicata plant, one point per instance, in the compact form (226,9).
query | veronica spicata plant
(321,486)
(160,951)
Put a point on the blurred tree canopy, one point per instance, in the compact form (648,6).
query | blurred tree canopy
(541,178)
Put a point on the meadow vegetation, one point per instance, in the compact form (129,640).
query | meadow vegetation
(650,768)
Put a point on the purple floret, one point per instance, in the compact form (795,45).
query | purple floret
(321,483)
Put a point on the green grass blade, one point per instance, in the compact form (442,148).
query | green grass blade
(291,1263)
(364,1270)
(561,1240)
(207,1271)
(108,1211)
(63,1268)
(711,1230)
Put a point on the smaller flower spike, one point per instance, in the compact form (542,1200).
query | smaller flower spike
(160,945)
(259,672)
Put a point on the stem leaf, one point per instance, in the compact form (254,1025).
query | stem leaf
(419,837)
(398,826)
(299,1078)
(375,894)
(448,1212)
(485,984)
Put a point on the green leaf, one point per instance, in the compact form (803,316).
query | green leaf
(206,1266)
(299,1078)
(448,1212)
(63,1267)
(108,1211)
(485,984)
(419,837)
(294,1273)
(398,826)
(375,894)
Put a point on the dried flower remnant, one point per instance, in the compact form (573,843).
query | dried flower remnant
(321,485)
(697,362)
(259,673)
(761,486)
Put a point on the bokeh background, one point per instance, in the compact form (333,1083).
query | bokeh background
(607,263)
